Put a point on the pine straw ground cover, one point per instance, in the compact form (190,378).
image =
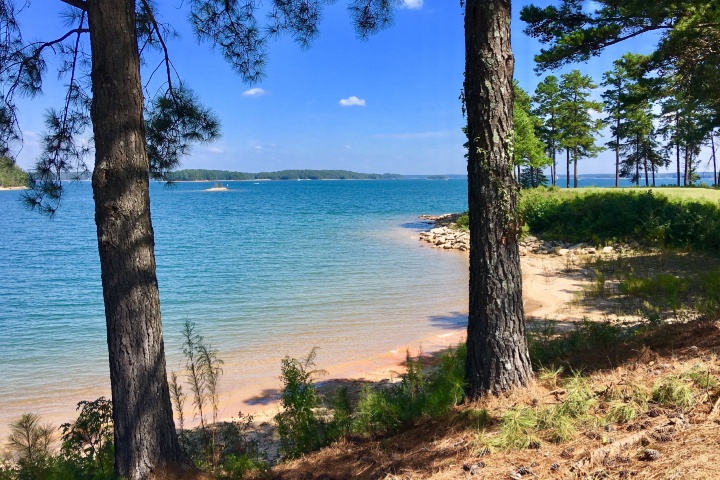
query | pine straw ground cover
(653,414)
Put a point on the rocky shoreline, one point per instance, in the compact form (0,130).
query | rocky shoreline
(446,235)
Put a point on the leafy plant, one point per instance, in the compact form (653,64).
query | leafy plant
(299,429)
(88,441)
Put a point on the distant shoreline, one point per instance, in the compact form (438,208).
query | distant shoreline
(2,189)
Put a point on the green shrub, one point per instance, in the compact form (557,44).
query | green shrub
(88,441)
(647,217)
(343,413)
(417,394)
(299,429)
(463,221)
(238,466)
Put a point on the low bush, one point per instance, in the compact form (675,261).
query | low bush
(299,429)
(601,217)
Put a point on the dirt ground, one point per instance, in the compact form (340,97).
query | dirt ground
(661,443)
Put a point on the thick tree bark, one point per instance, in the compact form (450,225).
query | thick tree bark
(146,444)
(497,357)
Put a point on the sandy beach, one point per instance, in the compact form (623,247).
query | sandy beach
(12,188)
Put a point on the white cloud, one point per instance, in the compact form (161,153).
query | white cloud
(413,4)
(216,150)
(348,147)
(352,101)
(258,147)
(254,92)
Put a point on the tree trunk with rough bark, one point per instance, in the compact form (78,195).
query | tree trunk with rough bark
(497,357)
(146,444)
(575,171)
(617,152)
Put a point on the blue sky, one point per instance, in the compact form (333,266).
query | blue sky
(389,104)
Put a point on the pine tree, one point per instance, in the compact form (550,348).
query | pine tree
(547,99)
(497,351)
(529,151)
(575,123)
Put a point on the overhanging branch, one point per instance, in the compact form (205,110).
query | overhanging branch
(81,4)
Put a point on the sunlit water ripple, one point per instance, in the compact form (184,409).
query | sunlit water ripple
(264,269)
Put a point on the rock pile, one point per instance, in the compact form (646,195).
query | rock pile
(447,238)
(446,235)
(534,245)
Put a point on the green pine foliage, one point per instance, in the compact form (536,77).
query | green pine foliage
(529,150)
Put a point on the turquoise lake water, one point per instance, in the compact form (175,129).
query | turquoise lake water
(265,270)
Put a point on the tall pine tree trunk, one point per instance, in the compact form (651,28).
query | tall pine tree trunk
(677,159)
(712,145)
(617,152)
(146,445)
(677,147)
(554,169)
(645,163)
(567,174)
(497,358)
(575,179)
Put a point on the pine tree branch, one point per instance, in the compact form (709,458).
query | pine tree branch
(81,4)
(156,27)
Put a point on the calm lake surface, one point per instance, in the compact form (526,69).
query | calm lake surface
(265,270)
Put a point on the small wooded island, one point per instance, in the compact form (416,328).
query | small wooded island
(11,176)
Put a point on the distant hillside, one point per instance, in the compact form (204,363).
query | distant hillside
(11,175)
(216,175)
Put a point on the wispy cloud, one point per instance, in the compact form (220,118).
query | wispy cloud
(352,101)
(254,92)
(258,147)
(216,150)
(413,4)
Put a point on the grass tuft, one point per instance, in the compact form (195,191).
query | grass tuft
(673,392)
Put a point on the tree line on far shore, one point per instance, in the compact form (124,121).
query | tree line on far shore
(196,175)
